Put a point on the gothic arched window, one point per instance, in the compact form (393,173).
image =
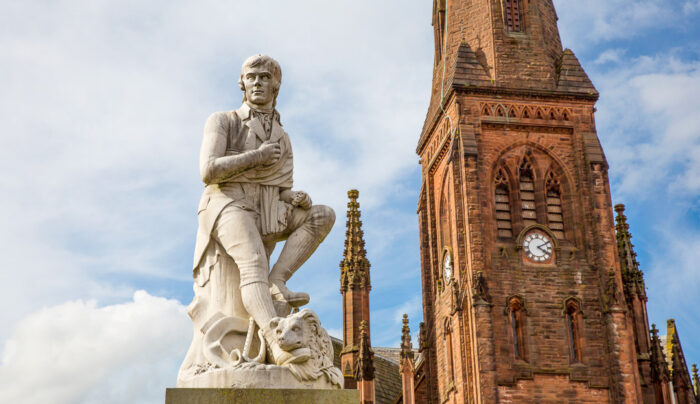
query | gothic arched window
(573,327)
(527,193)
(513,16)
(504,221)
(554,213)
(516,322)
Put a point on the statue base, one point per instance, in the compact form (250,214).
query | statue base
(252,376)
(255,396)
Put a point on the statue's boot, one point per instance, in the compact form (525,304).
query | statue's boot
(257,301)
(297,249)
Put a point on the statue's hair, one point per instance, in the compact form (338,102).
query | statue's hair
(262,60)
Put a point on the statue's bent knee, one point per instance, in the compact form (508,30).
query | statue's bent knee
(322,217)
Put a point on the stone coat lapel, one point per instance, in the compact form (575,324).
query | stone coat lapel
(255,130)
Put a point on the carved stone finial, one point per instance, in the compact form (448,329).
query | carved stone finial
(406,345)
(696,380)
(354,268)
(365,360)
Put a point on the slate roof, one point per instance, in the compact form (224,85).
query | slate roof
(387,380)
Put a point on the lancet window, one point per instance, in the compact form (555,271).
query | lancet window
(573,327)
(445,216)
(527,193)
(516,322)
(554,212)
(504,221)
(448,351)
(513,17)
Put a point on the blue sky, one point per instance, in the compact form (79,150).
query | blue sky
(102,110)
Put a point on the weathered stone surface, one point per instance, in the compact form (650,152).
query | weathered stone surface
(256,396)
(509,145)
(243,333)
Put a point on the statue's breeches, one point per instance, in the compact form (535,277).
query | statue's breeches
(236,230)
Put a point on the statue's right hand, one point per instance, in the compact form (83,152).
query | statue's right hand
(271,152)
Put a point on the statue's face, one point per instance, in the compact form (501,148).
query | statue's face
(259,85)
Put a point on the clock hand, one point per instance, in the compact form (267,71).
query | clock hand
(543,249)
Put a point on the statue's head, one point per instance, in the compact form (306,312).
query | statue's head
(261,77)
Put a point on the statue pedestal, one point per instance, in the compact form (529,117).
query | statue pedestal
(255,396)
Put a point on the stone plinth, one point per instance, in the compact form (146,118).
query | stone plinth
(255,396)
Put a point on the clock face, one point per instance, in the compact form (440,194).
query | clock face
(447,266)
(537,247)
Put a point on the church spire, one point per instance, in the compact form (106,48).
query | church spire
(354,268)
(355,288)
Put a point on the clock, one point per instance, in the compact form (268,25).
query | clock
(537,247)
(447,268)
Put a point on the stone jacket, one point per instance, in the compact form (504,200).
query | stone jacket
(233,133)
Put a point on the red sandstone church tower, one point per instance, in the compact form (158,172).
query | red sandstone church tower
(521,273)
(356,357)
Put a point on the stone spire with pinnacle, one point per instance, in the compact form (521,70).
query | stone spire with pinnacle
(364,369)
(355,288)
(407,365)
(365,361)
(632,276)
(659,366)
(406,345)
(354,268)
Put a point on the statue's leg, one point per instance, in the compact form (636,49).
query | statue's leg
(308,229)
(238,234)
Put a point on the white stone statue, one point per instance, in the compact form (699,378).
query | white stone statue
(244,335)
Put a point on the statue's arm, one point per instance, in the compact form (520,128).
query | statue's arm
(214,165)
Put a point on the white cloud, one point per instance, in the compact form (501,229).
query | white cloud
(691,7)
(78,352)
(650,126)
(102,110)
(588,23)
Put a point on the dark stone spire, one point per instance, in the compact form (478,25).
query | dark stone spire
(406,345)
(659,366)
(632,276)
(365,360)
(354,268)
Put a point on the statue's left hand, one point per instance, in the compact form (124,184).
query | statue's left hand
(302,200)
